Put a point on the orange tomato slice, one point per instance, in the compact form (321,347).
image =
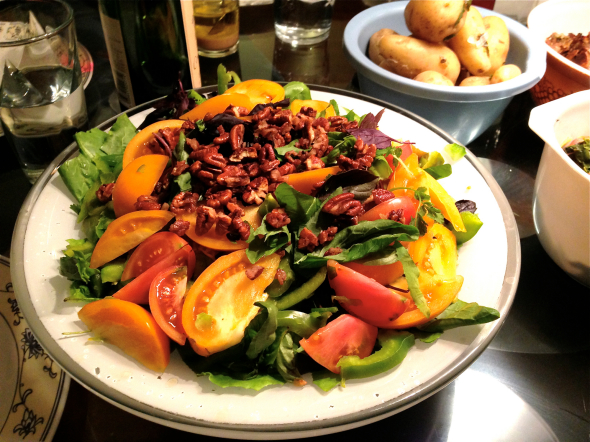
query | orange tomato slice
(214,241)
(318,105)
(435,253)
(259,91)
(131,328)
(127,232)
(217,105)
(139,144)
(220,304)
(304,182)
(138,178)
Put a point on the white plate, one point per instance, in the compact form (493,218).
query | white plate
(33,390)
(490,264)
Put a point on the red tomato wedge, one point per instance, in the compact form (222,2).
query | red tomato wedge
(382,211)
(364,297)
(344,336)
(138,290)
(406,152)
(166,300)
(129,327)
(127,232)
(151,251)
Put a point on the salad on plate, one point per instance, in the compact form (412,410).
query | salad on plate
(264,235)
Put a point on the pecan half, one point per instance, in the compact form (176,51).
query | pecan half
(180,227)
(206,217)
(327,235)
(236,136)
(147,202)
(218,199)
(184,202)
(343,204)
(105,192)
(277,218)
(233,176)
(333,251)
(281,276)
(307,240)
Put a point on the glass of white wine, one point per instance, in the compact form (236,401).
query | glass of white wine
(42,101)
(217,26)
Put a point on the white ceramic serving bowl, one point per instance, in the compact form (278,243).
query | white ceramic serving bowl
(562,77)
(463,112)
(561,202)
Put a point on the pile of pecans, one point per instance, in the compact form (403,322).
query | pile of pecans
(233,164)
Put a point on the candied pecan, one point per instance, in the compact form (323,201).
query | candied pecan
(235,210)
(317,186)
(277,218)
(147,202)
(322,122)
(281,276)
(179,168)
(236,136)
(289,158)
(397,215)
(223,224)
(281,253)
(184,202)
(275,177)
(266,152)
(254,272)
(236,111)
(281,117)
(346,163)
(180,227)
(241,228)
(256,191)
(209,155)
(327,235)
(336,123)
(320,144)
(163,143)
(171,136)
(233,176)
(333,251)
(195,167)
(193,143)
(252,169)
(218,199)
(264,114)
(307,240)
(246,152)
(313,163)
(187,126)
(208,175)
(268,165)
(308,111)
(206,217)
(381,195)
(342,204)
(223,136)
(287,168)
(105,192)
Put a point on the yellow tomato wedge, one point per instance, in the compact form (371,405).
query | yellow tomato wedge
(139,144)
(409,176)
(435,253)
(127,232)
(214,241)
(259,91)
(318,105)
(217,105)
(304,182)
(444,202)
(439,294)
(137,179)
(131,328)
(220,304)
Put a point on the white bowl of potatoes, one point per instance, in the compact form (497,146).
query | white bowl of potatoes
(456,65)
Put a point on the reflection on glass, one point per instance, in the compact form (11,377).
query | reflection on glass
(500,413)
(309,64)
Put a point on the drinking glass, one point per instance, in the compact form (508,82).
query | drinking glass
(303,22)
(217,25)
(42,100)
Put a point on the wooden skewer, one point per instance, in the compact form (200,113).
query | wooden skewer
(190,35)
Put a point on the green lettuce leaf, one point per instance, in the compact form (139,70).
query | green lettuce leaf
(460,314)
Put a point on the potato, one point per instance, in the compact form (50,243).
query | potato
(435,20)
(498,42)
(505,73)
(408,56)
(475,81)
(433,77)
(470,44)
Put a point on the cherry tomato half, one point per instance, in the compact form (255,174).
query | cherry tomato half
(382,211)
(364,297)
(151,251)
(166,299)
(344,336)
